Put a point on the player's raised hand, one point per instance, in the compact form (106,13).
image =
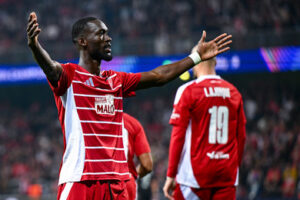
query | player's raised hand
(33,29)
(208,50)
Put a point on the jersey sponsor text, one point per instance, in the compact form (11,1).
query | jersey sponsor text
(105,105)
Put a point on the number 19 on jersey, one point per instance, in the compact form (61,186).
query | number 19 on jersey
(218,127)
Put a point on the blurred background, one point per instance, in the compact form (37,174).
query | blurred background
(263,64)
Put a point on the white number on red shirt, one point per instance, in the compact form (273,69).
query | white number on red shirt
(218,128)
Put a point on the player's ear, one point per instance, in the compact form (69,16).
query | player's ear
(81,42)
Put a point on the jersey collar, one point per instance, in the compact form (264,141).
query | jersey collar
(201,78)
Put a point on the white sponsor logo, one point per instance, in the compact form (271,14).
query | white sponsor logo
(175,116)
(89,82)
(217,155)
(105,105)
(217,92)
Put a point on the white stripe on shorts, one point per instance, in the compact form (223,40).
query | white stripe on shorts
(65,193)
(187,193)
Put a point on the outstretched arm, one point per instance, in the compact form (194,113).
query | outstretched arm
(165,73)
(51,68)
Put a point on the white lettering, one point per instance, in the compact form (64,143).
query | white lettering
(105,105)
(217,92)
(217,155)
(175,116)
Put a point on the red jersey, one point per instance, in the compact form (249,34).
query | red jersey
(90,111)
(208,133)
(135,141)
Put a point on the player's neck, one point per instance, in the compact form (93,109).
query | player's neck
(91,65)
(206,71)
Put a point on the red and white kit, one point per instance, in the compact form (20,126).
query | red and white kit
(208,134)
(90,111)
(136,143)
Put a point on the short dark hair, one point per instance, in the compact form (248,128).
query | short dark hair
(79,26)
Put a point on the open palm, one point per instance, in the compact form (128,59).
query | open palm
(214,47)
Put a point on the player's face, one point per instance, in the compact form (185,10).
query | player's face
(98,41)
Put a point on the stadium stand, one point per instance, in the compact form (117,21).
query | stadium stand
(141,27)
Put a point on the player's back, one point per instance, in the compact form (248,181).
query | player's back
(215,108)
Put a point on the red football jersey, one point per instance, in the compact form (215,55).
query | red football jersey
(135,141)
(208,134)
(90,111)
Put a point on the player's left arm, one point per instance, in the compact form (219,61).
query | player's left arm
(146,164)
(241,132)
(142,150)
(166,73)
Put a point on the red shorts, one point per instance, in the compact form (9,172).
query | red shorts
(91,190)
(183,192)
(131,188)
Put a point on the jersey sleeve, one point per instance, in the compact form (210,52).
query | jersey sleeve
(141,144)
(181,107)
(175,149)
(179,119)
(129,82)
(241,132)
(65,79)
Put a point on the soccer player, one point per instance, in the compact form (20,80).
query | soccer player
(208,138)
(90,106)
(135,143)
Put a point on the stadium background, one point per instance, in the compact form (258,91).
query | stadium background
(30,135)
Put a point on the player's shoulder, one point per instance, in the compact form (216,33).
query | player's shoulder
(228,84)
(70,65)
(126,116)
(130,121)
(186,85)
(108,72)
(232,87)
(129,118)
(183,88)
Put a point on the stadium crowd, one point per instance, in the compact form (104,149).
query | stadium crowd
(163,21)
(31,144)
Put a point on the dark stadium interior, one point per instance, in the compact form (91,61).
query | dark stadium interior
(31,143)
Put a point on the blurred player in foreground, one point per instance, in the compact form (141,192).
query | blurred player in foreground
(136,143)
(90,106)
(207,139)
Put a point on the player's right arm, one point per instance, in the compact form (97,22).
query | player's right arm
(180,120)
(146,164)
(51,68)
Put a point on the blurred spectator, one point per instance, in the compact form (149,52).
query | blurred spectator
(35,191)
(289,181)
(272,180)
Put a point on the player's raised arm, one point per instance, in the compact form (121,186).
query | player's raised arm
(165,73)
(51,68)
